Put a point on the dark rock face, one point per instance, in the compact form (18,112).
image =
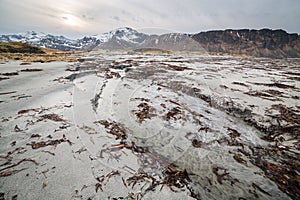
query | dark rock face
(258,43)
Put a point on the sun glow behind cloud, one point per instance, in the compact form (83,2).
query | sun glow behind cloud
(70,20)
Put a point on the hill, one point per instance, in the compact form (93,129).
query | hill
(19,47)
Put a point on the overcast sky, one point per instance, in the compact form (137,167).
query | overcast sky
(75,18)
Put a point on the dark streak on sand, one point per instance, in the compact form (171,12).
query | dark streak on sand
(4,93)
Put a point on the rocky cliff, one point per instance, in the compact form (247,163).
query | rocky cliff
(258,43)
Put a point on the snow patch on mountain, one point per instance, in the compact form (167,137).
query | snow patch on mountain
(119,39)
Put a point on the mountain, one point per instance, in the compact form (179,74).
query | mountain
(42,40)
(172,42)
(29,36)
(129,39)
(257,43)
(123,38)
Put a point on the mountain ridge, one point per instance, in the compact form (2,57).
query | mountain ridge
(257,43)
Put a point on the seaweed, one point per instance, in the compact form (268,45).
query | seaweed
(3,78)
(25,63)
(239,159)
(276,84)
(53,117)
(231,141)
(21,112)
(286,113)
(10,173)
(140,99)
(17,129)
(197,143)
(139,177)
(18,163)
(220,176)
(288,122)
(239,83)
(101,180)
(10,74)
(255,186)
(31,70)
(52,154)
(37,145)
(233,133)
(35,136)
(131,146)
(280,166)
(177,68)
(173,113)
(114,128)
(175,178)
(4,93)
(81,150)
(145,111)
(109,75)
(89,130)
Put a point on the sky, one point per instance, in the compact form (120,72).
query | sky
(76,18)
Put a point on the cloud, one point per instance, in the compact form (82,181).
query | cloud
(98,16)
(116,18)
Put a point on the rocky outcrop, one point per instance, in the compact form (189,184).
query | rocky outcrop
(257,43)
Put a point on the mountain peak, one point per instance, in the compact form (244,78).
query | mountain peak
(32,34)
(125,29)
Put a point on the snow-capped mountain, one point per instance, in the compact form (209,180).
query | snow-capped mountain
(126,34)
(29,36)
(258,43)
(42,40)
(57,42)
(122,38)
(119,39)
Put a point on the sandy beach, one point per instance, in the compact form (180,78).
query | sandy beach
(119,125)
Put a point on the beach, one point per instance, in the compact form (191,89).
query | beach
(124,125)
